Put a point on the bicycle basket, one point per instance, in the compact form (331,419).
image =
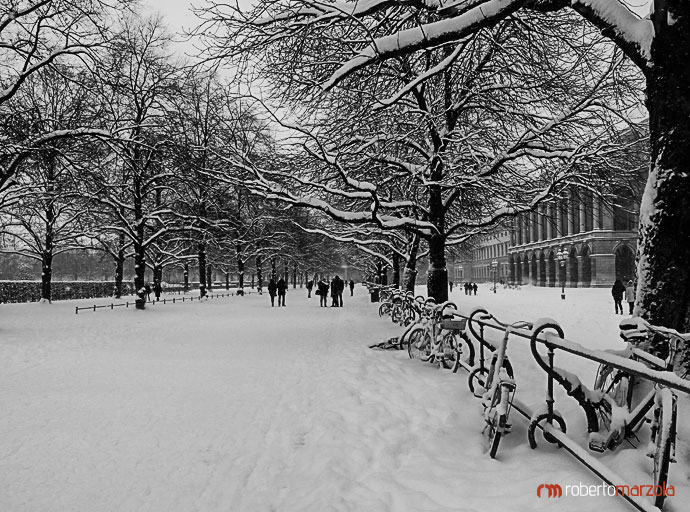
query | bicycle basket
(454,324)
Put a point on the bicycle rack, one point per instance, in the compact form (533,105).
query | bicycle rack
(548,332)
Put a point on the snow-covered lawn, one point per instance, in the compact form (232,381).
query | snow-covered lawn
(231,405)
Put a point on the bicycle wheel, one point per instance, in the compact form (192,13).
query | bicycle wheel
(384,309)
(465,351)
(477,380)
(496,425)
(396,314)
(665,416)
(419,345)
(617,386)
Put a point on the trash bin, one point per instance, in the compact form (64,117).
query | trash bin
(374,295)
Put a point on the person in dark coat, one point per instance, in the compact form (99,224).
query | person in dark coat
(323,293)
(282,289)
(334,292)
(352,288)
(272,288)
(157,290)
(341,289)
(147,291)
(310,285)
(450,283)
(474,288)
(617,291)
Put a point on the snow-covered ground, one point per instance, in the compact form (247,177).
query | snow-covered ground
(230,405)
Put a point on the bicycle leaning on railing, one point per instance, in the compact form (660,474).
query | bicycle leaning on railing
(495,385)
(438,338)
(619,406)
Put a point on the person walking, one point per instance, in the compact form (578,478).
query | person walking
(450,283)
(630,296)
(334,292)
(617,291)
(352,288)
(474,288)
(323,293)
(157,290)
(341,289)
(147,292)
(310,285)
(272,288)
(282,290)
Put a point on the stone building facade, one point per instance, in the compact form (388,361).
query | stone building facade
(600,242)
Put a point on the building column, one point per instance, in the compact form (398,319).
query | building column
(582,211)
(540,224)
(537,278)
(596,212)
(570,214)
(550,217)
(559,219)
(603,270)
(607,218)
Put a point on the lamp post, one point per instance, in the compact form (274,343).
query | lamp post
(562,256)
(494,267)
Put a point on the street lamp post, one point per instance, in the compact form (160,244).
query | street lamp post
(562,256)
(494,266)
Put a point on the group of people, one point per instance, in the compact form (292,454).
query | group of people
(337,287)
(469,288)
(618,290)
(157,290)
(279,288)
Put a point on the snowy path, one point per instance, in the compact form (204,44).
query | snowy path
(233,406)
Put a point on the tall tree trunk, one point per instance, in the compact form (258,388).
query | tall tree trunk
(273,268)
(139,274)
(240,267)
(185,273)
(663,258)
(437,281)
(396,270)
(294,276)
(209,277)
(410,272)
(227,280)
(157,278)
(119,265)
(202,269)
(46,273)
(258,274)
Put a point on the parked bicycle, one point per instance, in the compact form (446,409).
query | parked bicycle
(429,340)
(632,387)
(496,384)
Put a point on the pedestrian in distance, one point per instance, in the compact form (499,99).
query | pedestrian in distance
(630,296)
(282,290)
(147,291)
(310,285)
(334,292)
(474,288)
(450,283)
(341,289)
(323,293)
(272,289)
(157,290)
(617,291)
(352,288)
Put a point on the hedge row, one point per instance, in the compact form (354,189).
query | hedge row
(30,291)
